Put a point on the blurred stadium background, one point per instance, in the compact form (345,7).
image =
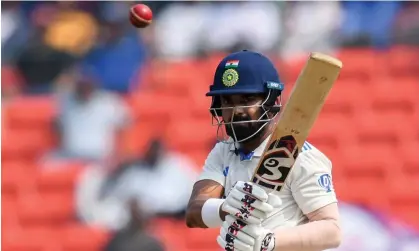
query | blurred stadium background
(105,127)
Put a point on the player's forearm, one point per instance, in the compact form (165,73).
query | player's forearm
(194,214)
(313,236)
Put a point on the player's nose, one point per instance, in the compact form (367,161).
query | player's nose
(240,116)
(239,111)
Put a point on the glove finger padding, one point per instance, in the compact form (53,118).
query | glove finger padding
(230,242)
(241,213)
(251,230)
(251,189)
(237,233)
(252,201)
(239,205)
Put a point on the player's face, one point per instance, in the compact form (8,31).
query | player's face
(244,108)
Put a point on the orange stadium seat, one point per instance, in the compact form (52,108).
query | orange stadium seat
(30,111)
(59,178)
(196,239)
(365,172)
(363,160)
(395,94)
(40,238)
(9,217)
(375,129)
(169,232)
(26,143)
(158,106)
(76,237)
(331,131)
(404,197)
(360,64)
(177,78)
(346,98)
(409,157)
(13,240)
(200,105)
(57,207)
(138,136)
(363,191)
(190,134)
(403,60)
(17,176)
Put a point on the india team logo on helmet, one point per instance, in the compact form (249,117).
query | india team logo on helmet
(230,77)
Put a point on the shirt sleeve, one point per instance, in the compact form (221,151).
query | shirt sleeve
(312,185)
(213,167)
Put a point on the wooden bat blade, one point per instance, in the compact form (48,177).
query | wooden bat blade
(296,120)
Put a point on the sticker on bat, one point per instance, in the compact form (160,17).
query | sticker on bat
(277,163)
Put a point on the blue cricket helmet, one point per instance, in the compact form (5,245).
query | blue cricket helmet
(245,72)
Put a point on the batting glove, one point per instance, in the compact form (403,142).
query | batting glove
(237,235)
(250,203)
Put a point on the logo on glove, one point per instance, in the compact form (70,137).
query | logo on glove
(243,213)
(230,243)
(248,201)
(248,188)
(266,241)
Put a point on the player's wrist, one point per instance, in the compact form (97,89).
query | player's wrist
(211,212)
(222,213)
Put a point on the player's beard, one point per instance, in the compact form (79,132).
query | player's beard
(244,130)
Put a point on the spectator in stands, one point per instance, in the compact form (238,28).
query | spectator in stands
(120,51)
(90,120)
(14,34)
(310,26)
(61,34)
(367,23)
(134,237)
(406,28)
(161,182)
(221,26)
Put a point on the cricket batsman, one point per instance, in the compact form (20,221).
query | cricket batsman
(303,216)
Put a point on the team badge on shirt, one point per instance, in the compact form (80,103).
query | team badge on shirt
(325,181)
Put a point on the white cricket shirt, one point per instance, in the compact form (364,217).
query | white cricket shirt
(308,187)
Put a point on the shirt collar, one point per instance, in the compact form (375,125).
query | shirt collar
(257,152)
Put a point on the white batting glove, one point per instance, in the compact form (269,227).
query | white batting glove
(250,203)
(238,236)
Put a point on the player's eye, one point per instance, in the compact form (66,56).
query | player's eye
(250,99)
(225,102)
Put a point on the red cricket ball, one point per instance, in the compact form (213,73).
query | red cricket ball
(140,15)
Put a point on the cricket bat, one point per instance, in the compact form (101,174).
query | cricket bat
(296,120)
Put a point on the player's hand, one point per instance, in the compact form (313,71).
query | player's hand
(237,235)
(250,203)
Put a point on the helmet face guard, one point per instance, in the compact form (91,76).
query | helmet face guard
(269,104)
